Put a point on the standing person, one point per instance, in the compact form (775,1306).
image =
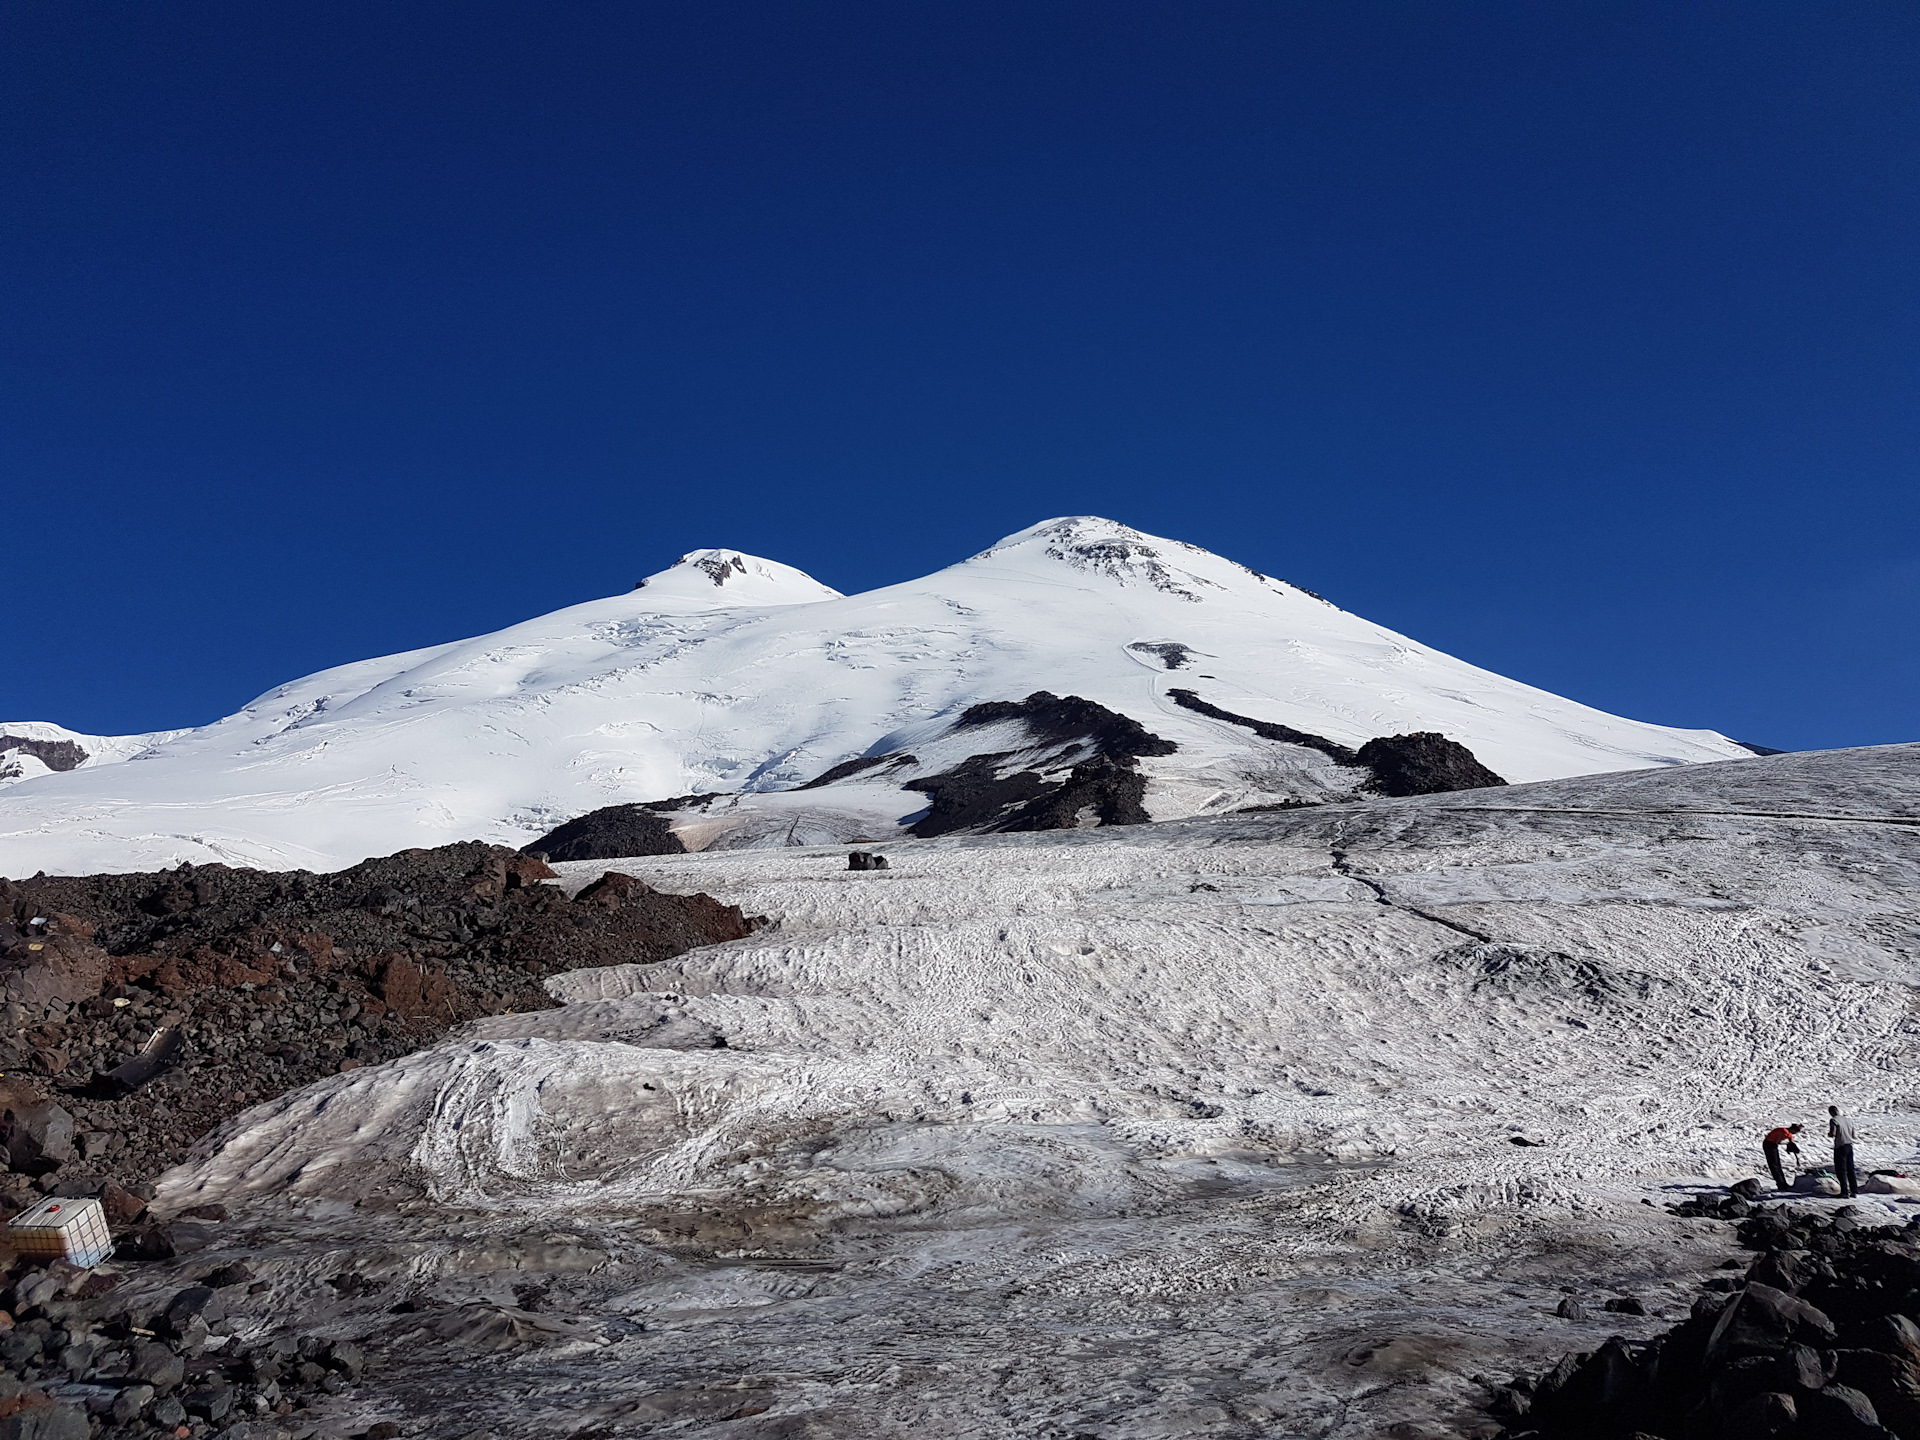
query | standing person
(1776,1137)
(1841,1129)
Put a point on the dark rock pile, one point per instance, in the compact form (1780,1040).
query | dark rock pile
(1817,1339)
(1426,763)
(74,1364)
(269,980)
(1102,788)
(974,796)
(1057,719)
(611,833)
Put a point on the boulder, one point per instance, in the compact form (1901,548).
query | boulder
(1840,1412)
(1763,1416)
(1786,1270)
(1890,1382)
(45,1422)
(237,1272)
(122,1207)
(38,1137)
(209,1402)
(345,1357)
(54,961)
(1608,1388)
(1794,1370)
(131,1400)
(149,1242)
(1765,1321)
(409,989)
(154,1364)
(196,1301)
(1893,1335)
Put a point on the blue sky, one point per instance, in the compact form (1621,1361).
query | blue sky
(1578,340)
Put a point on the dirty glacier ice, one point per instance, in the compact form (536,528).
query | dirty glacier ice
(1202,1128)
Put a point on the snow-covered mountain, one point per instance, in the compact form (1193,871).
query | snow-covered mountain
(740,679)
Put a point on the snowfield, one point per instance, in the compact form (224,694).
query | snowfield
(1202,1128)
(744,677)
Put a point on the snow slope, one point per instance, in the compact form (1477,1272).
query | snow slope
(1200,1128)
(730,674)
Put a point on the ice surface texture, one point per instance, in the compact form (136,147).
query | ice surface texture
(1195,1128)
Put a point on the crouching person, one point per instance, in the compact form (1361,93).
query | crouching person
(1780,1135)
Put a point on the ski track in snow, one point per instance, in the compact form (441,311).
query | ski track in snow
(1176,1130)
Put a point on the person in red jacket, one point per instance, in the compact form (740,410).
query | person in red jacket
(1776,1137)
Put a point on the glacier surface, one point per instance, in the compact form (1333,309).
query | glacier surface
(1204,1128)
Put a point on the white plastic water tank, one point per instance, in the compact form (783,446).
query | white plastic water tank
(62,1229)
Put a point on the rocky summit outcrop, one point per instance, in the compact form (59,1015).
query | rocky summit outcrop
(146,1009)
(1818,1339)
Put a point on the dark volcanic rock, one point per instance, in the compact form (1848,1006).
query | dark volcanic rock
(1102,788)
(37,1135)
(1265,729)
(1056,719)
(1170,653)
(1102,791)
(969,796)
(32,1418)
(54,754)
(47,956)
(973,795)
(1426,763)
(1838,1360)
(274,979)
(847,769)
(613,833)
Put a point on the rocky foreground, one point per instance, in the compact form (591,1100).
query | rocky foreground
(1816,1339)
(238,985)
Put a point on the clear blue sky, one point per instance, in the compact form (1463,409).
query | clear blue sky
(1578,340)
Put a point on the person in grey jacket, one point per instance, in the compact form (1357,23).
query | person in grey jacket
(1841,1129)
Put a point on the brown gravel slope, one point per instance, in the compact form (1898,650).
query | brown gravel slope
(276,978)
